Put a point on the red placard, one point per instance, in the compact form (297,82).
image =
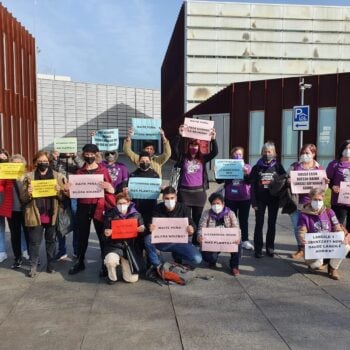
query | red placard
(124,229)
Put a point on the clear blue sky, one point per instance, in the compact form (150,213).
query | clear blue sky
(121,42)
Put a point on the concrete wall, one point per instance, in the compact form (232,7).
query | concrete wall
(73,109)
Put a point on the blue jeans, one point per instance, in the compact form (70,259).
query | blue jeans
(185,251)
(294,217)
(62,248)
(211,257)
(2,235)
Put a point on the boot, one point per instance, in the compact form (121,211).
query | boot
(333,273)
(299,254)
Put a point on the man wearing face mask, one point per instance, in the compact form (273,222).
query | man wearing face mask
(170,208)
(117,171)
(91,209)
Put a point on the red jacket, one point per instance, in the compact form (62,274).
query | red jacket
(101,203)
(6,186)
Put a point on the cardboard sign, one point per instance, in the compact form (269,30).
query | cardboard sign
(344,193)
(144,188)
(44,188)
(124,229)
(146,128)
(220,239)
(199,129)
(229,169)
(11,171)
(304,180)
(86,186)
(170,230)
(325,245)
(106,140)
(66,144)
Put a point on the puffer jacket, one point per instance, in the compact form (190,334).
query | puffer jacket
(6,189)
(31,211)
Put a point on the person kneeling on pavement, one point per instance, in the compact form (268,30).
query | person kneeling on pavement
(219,215)
(171,208)
(315,217)
(118,250)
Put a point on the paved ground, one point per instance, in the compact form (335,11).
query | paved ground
(275,304)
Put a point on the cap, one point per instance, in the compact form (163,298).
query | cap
(90,147)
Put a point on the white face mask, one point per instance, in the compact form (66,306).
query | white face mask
(316,205)
(217,208)
(170,203)
(346,153)
(305,158)
(123,208)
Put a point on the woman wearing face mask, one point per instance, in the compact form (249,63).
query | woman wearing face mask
(237,197)
(306,162)
(219,215)
(6,200)
(91,209)
(261,178)
(40,214)
(115,248)
(117,171)
(337,171)
(315,217)
(193,181)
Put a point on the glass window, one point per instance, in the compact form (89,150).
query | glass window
(289,139)
(256,135)
(326,135)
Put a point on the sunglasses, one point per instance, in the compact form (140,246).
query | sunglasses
(109,153)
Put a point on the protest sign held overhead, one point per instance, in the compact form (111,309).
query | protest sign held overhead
(106,140)
(146,128)
(199,129)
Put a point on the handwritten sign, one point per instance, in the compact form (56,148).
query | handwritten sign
(146,128)
(144,188)
(11,171)
(66,144)
(86,186)
(107,139)
(220,239)
(199,129)
(170,230)
(229,169)
(304,180)
(325,245)
(344,193)
(124,229)
(44,188)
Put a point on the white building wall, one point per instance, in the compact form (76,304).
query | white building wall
(74,109)
(231,42)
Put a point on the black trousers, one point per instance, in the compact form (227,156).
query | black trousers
(35,235)
(196,213)
(343,213)
(85,214)
(16,224)
(241,210)
(272,209)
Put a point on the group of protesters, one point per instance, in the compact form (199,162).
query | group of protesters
(265,186)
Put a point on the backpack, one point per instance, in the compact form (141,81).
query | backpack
(174,272)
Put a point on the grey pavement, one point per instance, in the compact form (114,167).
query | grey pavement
(275,304)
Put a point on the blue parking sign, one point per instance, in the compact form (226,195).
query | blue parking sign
(301,118)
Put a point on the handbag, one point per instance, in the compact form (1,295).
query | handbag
(174,177)
(64,223)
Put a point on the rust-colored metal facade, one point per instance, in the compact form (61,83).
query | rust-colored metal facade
(272,97)
(18,111)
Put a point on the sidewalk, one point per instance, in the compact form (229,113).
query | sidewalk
(275,304)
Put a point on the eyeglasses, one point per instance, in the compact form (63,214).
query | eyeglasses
(109,153)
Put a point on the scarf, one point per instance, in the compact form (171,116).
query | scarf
(131,210)
(219,216)
(262,164)
(44,204)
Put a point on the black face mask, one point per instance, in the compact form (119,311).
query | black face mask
(89,160)
(145,166)
(43,166)
(268,158)
(3,160)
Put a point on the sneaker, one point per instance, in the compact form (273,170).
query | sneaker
(25,254)
(215,266)
(17,264)
(3,257)
(270,252)
(258,255)
(32,272)
(299,254)
(247,245)
(235,271)
(60,256)
(333,273)
(76,268)
(49,269)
